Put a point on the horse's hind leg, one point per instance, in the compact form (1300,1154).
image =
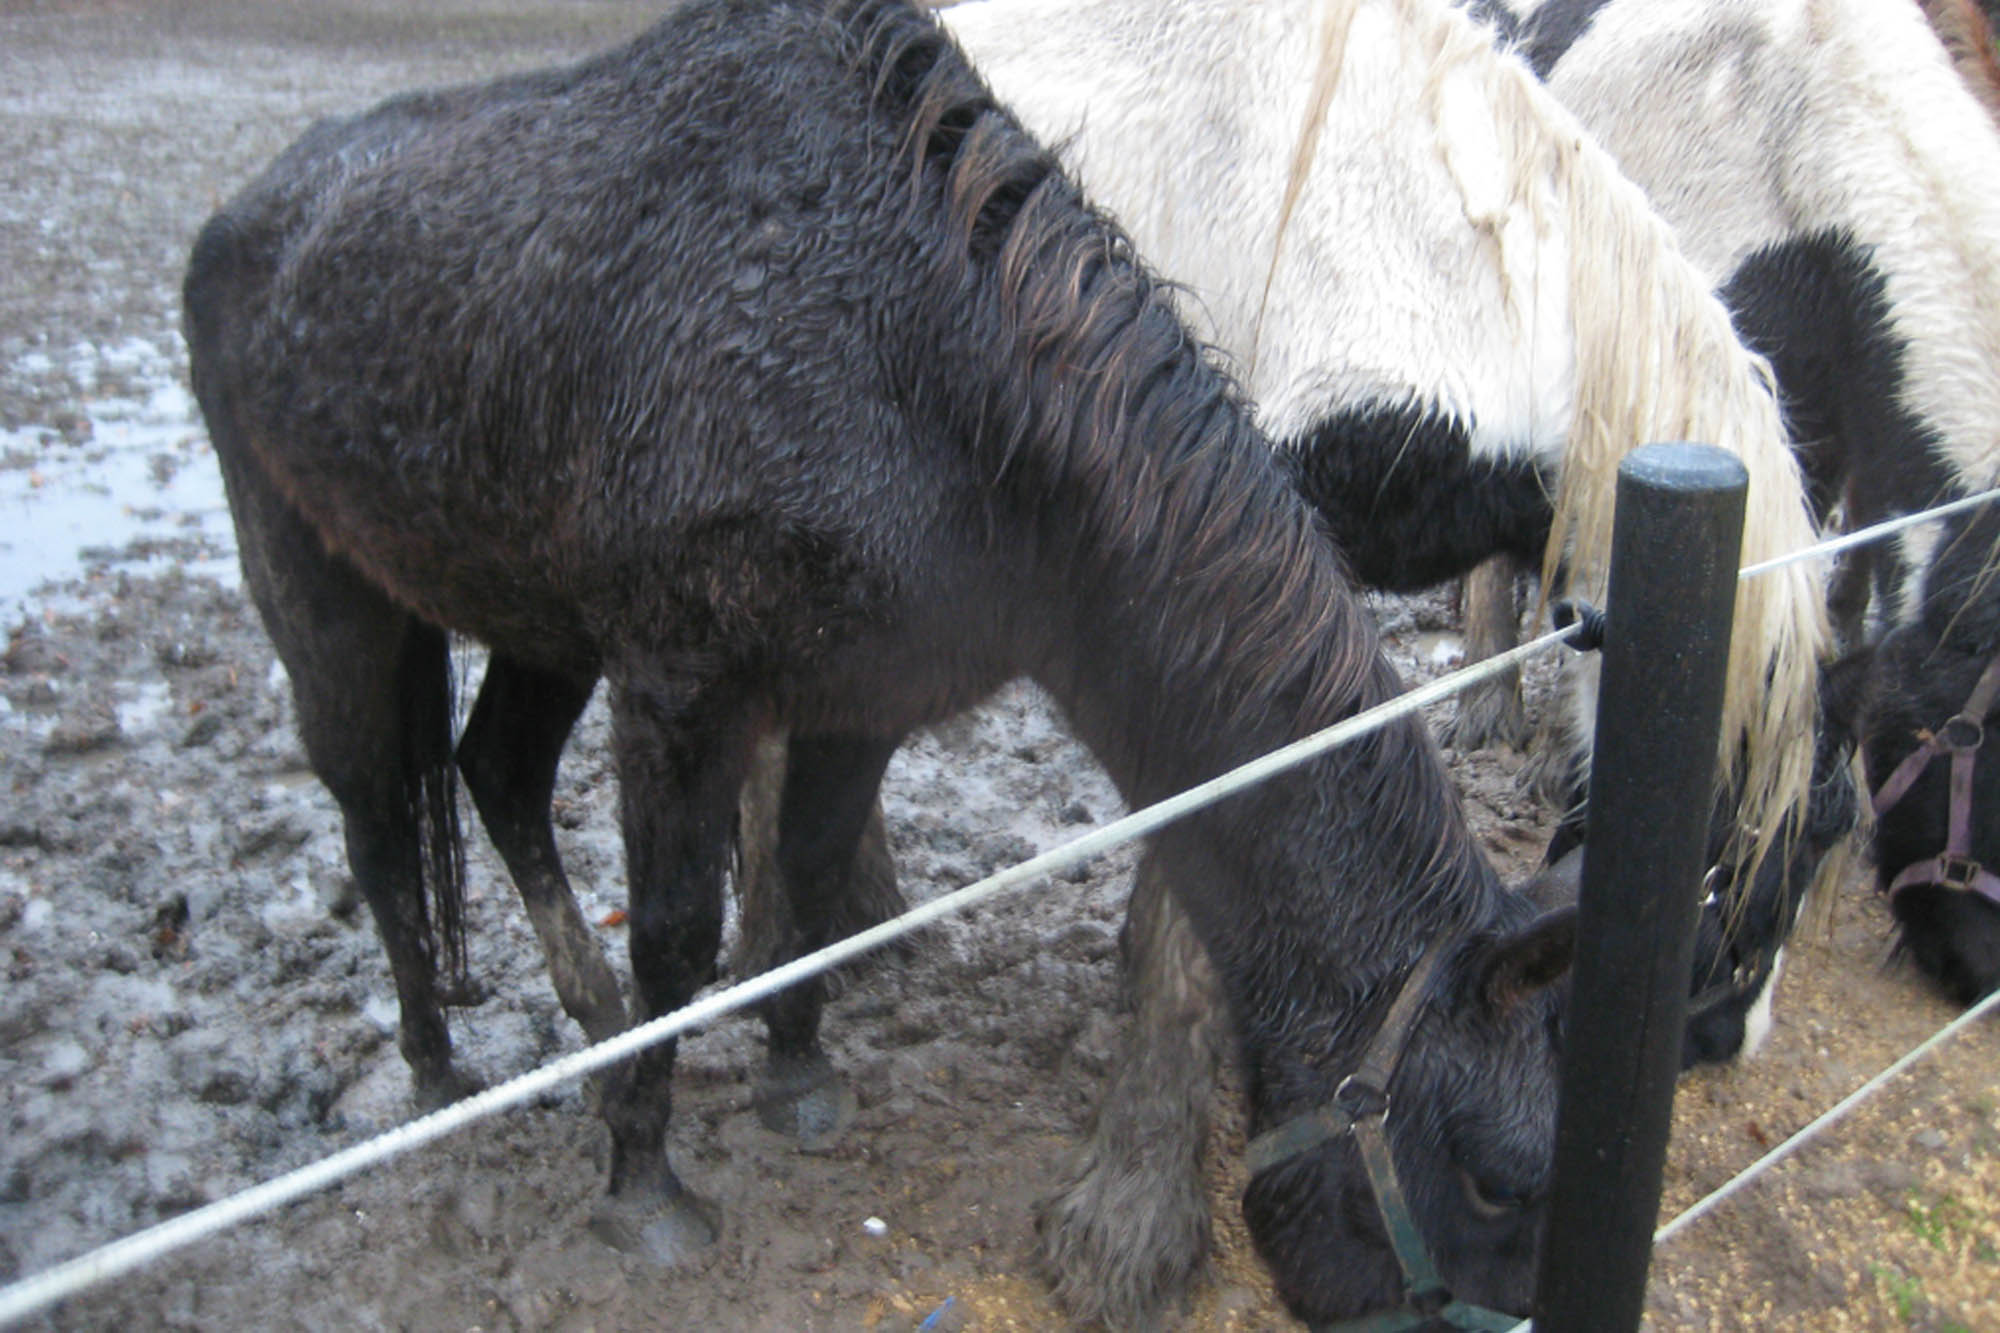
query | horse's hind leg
(1491,712)
(509,753)
(829,798)
(373,692)
(361,750)
(1128,1228)
(682,750)
(868,897)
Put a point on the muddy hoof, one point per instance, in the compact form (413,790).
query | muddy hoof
(806,1100)
(1122,1243)
(1490,715)
(434,1092)
(666,1230)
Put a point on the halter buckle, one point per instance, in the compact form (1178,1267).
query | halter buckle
(1962,734)
(1956,872)
(1360,1097)
(1428,1301)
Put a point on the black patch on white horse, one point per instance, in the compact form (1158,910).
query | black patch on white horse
(1547,34)
(1816,307)
(1543,37)
(1411,504)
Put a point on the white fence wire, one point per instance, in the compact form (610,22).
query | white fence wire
(42,1290)
(121,1256)
(1826,1119)
(1875,532)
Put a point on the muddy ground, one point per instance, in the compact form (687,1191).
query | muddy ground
(192,1001)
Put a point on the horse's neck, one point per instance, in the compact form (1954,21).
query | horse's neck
(1177,597)
(1310,887)
(1175,673)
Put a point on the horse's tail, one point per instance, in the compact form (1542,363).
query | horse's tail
(229,258)
(428,701)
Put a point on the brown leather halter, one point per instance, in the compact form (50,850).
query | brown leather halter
(1960,737)
(1360,1107)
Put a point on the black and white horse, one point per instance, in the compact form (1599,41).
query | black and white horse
(1453,312)
(767,368)
(1833,174)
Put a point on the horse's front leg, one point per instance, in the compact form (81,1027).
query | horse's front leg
(681,754)
(1127,1228)
(827,805)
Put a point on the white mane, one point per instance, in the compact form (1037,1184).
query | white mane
(1368,204)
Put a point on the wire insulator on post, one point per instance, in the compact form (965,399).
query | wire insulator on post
(1588,635)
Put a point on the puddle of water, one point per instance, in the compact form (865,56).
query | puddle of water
(142,493)
(1439,650)
(150,703)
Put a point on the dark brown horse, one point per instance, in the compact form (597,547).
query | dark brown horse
(765,367)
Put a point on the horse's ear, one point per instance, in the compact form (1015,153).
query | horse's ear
(1555,886)
(1515,967)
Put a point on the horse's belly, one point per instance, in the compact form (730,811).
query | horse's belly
(492,576)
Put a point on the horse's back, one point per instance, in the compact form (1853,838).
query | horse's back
(552,352)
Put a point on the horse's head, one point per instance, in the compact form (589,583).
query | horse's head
(1932,699)
(1750,902)
(1750,897)
(1470,1123)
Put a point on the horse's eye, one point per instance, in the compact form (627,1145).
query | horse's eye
(1493,1199)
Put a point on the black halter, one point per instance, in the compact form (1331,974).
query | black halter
(1744,970)
(1960,737)
(1360,1107)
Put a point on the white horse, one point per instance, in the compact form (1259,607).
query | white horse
(1835,173)
(1444,298)
(1456,316)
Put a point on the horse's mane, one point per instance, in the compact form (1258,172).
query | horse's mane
(1655,359)
(1112,403)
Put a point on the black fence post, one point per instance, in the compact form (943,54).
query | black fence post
(1674,557)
